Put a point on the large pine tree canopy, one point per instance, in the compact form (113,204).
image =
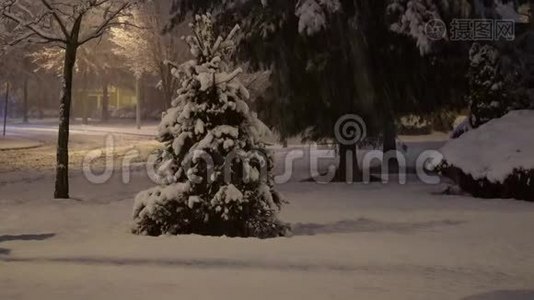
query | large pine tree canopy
(308,64)
(332,57)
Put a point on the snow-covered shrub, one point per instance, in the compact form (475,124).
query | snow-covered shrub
(215,171)
(414,125)
(494,160)
(164,210)
(123,113)
(443,120)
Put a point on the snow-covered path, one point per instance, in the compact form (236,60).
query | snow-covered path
(350,242)
(148,130)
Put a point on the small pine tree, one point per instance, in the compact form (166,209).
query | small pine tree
(215,171)
(501,78)
(488,97)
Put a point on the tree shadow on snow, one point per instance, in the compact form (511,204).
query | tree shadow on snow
(504,295)
(23,237)
(26,237)
(216,264)
(365,225)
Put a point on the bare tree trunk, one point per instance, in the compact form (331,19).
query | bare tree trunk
(41,112)
(84,98)
(62,168)
(349,170)
(40,102)
(168,98)
(105,102)
(166,86)
(169,89)
(5,108)
(390,135)
(25,100)
(138,106)
(390,144)
(74,110)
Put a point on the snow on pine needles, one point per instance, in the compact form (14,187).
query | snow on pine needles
(216,173)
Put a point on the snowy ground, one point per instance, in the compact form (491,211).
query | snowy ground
(82,140)
(350,242)
(11,142)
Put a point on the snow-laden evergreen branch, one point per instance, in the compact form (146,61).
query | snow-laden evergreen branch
(215,172)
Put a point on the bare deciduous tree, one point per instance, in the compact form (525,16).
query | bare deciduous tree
(68,25)
(147,50)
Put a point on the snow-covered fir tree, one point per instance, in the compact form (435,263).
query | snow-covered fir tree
(500,78)
(313,14)
(487,89)
(409,17)
(215,171)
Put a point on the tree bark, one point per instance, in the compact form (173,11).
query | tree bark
(167,86)
(168,98)
(40,101)
(5,108)
(390,135)
(105,102)
(25,100)
(390,144)
(349,170)
(84,98)
(62,168)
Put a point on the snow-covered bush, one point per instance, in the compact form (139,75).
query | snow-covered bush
(443,120)
(494,160)
(414,125)
(215,171)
